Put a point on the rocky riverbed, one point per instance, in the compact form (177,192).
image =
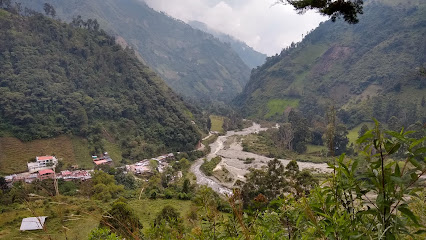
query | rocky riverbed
(230,149)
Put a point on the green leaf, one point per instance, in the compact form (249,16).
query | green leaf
(417,142)
(365,137)
(394,148)
(420,151)
(397,171)
(415,163)
(407,212)
(397,179)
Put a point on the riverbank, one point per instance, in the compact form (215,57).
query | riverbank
(236,163)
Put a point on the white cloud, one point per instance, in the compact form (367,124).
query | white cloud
(265,26)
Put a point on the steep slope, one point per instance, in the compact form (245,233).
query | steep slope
(56,79)
(192,62)
(366,69)
(251,57)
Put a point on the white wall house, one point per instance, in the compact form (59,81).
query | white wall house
(42,162)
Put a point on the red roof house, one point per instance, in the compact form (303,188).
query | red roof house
(46,174)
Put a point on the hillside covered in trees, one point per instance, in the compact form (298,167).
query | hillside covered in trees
(193,63)
(373,68)
(58,79)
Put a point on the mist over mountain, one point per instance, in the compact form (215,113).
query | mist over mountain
(251,57)
(193,63)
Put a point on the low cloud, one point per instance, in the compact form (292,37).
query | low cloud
(262,24)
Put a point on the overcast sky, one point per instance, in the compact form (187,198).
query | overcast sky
(266,27)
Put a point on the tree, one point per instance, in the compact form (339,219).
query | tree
(169,215)
(270,182)
(340,139)
(393,124)
(349,9)
(209,124)
(104,186)
(49,10)
(3,184)
(286,136)
(122,220)
(186,186)
(300,130)
(363,130)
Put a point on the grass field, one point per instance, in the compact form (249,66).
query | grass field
(263,146)
(73,150)
(14,154)
(217,123)
(147,209)
(315,148)
(68,218)
(278,106)
(353,133)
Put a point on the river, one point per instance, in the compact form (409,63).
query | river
(231,151)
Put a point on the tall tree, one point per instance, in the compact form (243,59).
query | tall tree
(49,10)
(300,129)
(286,136)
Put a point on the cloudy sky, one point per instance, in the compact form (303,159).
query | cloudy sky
(265,26)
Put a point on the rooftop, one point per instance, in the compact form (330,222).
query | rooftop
(43,158)
(46,171)
(32,223)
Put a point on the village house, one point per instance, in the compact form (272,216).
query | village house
(46,174)
(81,175)
(140,167)
(106,159)
(41,163)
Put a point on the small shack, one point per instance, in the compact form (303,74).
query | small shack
(33,223)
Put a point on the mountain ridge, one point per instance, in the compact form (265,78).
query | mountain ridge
(193,63)
(251,57)
(56,80)
(350,66)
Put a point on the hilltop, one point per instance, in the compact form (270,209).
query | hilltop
(193,63)
(251,57)
(367,69)
(56,79)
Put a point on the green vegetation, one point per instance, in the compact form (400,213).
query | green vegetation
(15,154)
(67,217)
(263,144)
(369,69)
(353,134)
(217,123)
(57,79)
(278,106)
(148,209)
(379,193)
(208,166)
(193,63)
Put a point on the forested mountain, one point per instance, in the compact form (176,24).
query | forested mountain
(373,68)
(59,79)
(192,63)
(251,57)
